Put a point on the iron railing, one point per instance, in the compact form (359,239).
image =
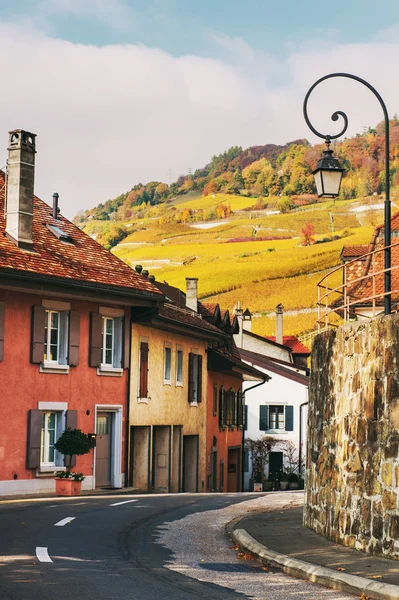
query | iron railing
(357,296)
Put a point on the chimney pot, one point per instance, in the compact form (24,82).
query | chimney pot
(145,273)
(192,293)
(138,269)
(279,323)
(55,205)
(151,278)
(20,184)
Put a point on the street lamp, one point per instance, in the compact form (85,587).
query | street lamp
(328,173)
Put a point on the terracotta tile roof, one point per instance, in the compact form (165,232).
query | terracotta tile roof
(292,342)
(187,317)
(354,251)
(273,366)
(83,259)
(207,309)
(394,223)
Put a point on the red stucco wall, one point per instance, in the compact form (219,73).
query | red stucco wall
(22,385)
(226,438)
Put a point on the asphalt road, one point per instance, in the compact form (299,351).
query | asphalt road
(92,548)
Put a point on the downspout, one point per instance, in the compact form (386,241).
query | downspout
(243,430)
(300,436)
(129,466)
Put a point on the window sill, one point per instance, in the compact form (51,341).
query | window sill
(179,384)
(167,382)
(49,471)
(277,431)
(53,367)
(194,404)
(143,400)
(109,371)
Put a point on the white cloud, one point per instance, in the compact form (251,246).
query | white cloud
(107,118)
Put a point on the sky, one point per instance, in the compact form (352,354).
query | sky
(121,91)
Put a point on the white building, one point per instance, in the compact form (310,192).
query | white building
(277,408)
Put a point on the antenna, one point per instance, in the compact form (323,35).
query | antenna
(170,175)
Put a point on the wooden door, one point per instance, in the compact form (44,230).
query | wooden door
(103,449)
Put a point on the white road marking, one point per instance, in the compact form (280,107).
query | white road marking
(124,502)
(42,554)
(64,521)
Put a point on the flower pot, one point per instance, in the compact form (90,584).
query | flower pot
(293,485)
(283,485)
(67,487)
(258,487)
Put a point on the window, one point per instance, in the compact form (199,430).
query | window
(167,373)
(276,417)
(143,371)
(230,408)
(222,408)
(195,378)
(55,337)
(179,366)
(50,434)
(111,342)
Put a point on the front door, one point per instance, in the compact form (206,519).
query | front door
(103,449)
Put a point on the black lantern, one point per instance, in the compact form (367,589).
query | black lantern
(328,175)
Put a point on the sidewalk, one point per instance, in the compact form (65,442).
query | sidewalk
(279,538)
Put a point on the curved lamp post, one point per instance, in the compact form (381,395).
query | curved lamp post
(328,173)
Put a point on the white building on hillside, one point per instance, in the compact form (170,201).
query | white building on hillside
(277,408)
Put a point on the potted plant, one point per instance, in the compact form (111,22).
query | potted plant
(293,481)
(71,442)
(283,479)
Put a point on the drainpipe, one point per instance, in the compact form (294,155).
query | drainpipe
(128,466)
(300,436)
(243,430)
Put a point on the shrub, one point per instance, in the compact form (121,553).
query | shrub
(71,442)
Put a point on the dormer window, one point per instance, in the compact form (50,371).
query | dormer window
(59,233)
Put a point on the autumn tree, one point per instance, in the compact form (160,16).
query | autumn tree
(307,233)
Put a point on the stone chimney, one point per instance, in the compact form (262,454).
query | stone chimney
(238,312)
(247,320)
(279,323)
(20,182)
(192,293)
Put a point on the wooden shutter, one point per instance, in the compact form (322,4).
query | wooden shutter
(222,407)
(245,417)
(73,338)
(289,418)
(2,319)
(126,342)
(199,384)
(38,327)
(143,392)
(72,422)
(263,418)
(96,323)
(238,409)
(190,377)
(215,399)
(34,438)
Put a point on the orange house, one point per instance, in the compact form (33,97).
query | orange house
(226,405)
(65,313)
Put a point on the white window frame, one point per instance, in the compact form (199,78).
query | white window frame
(276,412)
(114,367)
(59,409)
(167,380)
(61,364)
(179,351)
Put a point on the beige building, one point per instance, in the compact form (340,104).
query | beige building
(168,383)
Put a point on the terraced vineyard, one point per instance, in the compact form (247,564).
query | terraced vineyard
(253,256)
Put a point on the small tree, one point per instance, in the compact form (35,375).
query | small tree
(71,442)
(260,450)
(307,235)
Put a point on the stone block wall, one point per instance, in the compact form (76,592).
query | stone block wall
(352,494)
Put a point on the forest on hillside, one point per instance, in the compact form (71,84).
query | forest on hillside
(262,172)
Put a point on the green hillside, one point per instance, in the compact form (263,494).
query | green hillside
(249,225)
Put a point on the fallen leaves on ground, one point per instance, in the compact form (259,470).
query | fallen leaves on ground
(245,556)
(341,569)
(376,577)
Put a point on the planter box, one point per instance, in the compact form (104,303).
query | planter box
(67,487)
(258,487)
(283,485)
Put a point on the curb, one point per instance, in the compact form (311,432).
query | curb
(345,582)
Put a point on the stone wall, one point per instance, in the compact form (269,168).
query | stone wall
(352,492)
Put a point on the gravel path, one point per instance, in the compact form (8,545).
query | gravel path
(203,551)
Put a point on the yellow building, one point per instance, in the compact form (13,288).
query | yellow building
(168,383)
